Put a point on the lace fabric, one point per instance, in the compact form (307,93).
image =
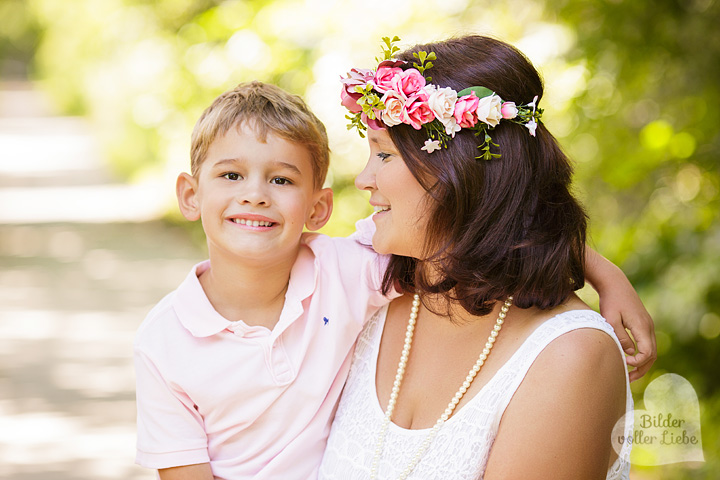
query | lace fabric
(461,448)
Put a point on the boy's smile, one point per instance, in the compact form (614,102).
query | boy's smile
(253,197)
(253,221)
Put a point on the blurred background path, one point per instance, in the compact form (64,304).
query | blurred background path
(82,260)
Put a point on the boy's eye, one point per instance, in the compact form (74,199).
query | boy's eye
(231,176)
(280,181)
(383,156)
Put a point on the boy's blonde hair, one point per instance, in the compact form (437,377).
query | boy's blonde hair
(270,109)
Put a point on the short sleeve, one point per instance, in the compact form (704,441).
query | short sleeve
(170,429)
(364,231)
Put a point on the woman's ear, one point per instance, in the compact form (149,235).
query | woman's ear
(321,209)
(186,189)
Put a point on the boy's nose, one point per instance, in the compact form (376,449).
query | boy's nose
(254,193)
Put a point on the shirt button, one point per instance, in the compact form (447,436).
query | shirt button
(236,328)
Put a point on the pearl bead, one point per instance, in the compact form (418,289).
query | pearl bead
(453,403)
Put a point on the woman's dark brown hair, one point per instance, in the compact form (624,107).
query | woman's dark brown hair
(508,226)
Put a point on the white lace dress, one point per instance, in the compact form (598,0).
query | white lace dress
(461,447)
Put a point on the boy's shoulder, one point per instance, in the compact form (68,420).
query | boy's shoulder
(163,319)
(360,240)
(158,319)
(152,333)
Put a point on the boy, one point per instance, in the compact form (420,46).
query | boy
(239,370)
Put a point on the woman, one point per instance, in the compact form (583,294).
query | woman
(472,201)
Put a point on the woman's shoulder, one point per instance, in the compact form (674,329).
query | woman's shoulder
(574,342)
(572,315)
(583,340)
(576,328)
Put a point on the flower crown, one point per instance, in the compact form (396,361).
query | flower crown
(389,96)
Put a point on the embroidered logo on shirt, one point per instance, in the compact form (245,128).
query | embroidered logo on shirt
(326,320)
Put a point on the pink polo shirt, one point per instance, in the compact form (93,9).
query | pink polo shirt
(254,403)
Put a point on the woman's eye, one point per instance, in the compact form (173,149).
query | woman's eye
(383,156)
(280,181)
(231,176)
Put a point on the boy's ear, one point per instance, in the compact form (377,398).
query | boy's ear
(186,188)
(321,210)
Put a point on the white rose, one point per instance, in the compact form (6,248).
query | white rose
(451,126)
(490,110)
(442,102)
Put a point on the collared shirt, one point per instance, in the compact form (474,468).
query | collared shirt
(255,403)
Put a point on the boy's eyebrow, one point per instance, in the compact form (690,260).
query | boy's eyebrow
(276,164)
(289,166)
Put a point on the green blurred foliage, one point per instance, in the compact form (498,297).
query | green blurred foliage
(633,93)
(647,138)
(20,34)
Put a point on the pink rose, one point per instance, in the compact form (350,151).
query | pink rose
(417,112)
(509,110)
(384,76)
(348,96)
(465,110)
(349,101)
(373,123)
(409,82)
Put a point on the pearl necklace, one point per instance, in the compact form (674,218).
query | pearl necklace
(453,403)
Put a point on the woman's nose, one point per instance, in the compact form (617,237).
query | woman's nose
(366,179)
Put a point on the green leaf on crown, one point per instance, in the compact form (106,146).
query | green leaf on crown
(480,92)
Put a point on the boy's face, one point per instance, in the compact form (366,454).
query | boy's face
(254,198)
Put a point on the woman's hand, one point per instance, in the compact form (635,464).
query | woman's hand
(622,308)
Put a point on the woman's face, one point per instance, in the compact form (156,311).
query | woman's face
(402,205)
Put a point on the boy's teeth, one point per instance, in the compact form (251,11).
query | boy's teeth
(252,223)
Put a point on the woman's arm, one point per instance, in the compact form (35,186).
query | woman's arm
(558,424)
(200,471)
(622,308)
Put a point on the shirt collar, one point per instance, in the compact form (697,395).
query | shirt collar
(193,308)
(198,316)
